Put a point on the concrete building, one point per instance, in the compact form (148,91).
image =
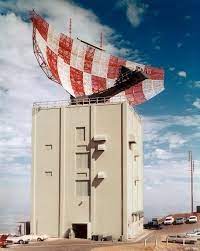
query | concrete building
(87,170)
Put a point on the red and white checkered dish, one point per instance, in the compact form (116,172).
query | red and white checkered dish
(83,70)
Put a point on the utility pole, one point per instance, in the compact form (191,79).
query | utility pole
(191,164)
(192,187)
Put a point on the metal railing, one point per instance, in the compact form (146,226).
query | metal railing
(79,101)
(151,237)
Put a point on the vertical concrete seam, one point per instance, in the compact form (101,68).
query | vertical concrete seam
(122,202)
(59,175)
(33,181)
(90,163)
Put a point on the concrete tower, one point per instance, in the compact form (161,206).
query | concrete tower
(87,170)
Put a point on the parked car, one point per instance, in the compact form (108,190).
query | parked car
(192,219)
(35,237)
(181,239)
(157,220)
(153,225)
(17,240)
(3,238)
(179,220)
(195,234)
(169,220)
(25,239)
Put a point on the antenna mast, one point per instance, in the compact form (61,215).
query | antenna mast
(191,164)
(101,40)
(70,27)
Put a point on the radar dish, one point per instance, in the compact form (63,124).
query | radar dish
(86,70)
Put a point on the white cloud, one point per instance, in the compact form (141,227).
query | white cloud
(170,139)
(197,84)
(196,103)
(194,84)
(175,140)
(157,47)
(166,166)
(179,45)
(182,74)
(164,132)
(187,17)
(162,154)
(171,68)
(135,11)
(188,97)
(21,84)
(85,24)
(167,184)
(156,39)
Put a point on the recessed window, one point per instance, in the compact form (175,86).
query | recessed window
(82,160)
(82,188)
(80,134)
(48,173)
(48,147)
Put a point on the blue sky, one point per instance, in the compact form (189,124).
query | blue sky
(159,33)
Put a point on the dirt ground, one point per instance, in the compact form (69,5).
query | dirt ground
(80,246)
(162,234)
(155,242)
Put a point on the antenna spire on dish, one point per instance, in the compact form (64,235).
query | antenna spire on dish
(101,40)
(70,27)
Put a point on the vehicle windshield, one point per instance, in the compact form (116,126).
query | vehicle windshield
(179,218)
(192,217)
(168,219)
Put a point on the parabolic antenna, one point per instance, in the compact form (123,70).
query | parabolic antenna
(86,70)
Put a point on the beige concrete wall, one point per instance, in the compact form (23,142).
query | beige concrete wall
(97,121)
(135,174)
(45,175)
(112,200)
(74,209)
(108,195)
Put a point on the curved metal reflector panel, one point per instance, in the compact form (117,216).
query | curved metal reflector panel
(83,70)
